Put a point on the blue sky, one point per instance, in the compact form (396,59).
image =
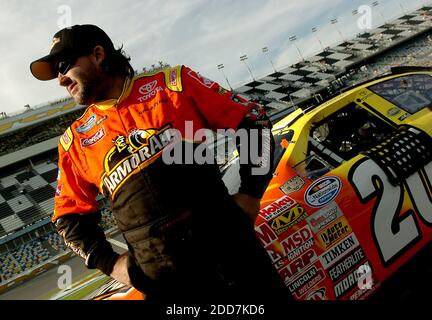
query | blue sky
(197,33)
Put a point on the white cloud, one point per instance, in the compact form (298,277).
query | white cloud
(198,33)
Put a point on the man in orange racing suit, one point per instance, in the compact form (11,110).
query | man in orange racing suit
(187,237)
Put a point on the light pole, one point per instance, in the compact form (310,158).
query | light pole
(334,22)
(244,58)
(220,67)
(403,10)
(265,50)
(314,30)
(376,4)
(293,39)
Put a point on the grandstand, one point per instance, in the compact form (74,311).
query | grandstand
(28,141)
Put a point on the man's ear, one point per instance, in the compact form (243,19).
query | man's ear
(99,54)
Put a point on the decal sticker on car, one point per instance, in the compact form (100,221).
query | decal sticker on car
(322,191)
(292,185)
(306,281)
(287,219)
(334,233)
(335,253)
(324,216)
(276,208)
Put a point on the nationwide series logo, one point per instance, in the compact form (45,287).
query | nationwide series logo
(87,125)
(322,191)
(131,153)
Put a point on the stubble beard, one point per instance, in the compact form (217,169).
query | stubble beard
(85,96)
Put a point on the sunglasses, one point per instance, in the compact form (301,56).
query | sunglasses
(64,65)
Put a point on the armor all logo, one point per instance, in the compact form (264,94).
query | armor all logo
(133,153)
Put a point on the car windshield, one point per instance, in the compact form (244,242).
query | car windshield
(410,93)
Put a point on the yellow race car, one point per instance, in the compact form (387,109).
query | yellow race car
(351,197)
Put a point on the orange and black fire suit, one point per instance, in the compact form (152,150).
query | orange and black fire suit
(181,226)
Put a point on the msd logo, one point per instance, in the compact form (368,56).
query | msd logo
(149,90)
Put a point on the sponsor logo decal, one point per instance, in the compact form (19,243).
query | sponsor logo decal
(306,281)
(275,257)
(349,282)
(92,140)
(147,108)
(276,208)
(203,80)
(338,251)
(87,125)
(265,234)
(173,77)
(55,41)
(66,138)
(149,90)
(393,111)
(287,219)
(322,191)
(222,90)
(296,240)
(364,293)
(292,185)
(333,233)
(140,148)
(345,265)
(296,266)
(58,190)
(324,216)
(404,116)
(101,120)
(318,294)
(299,250)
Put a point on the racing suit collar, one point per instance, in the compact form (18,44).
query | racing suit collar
(127,88)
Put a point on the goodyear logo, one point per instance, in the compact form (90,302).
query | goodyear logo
(287,219)
(334,232)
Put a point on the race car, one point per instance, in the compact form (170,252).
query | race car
(350,201)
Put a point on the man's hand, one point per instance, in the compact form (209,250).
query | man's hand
(249,204)
(120,270)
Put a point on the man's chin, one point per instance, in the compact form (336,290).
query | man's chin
(79,99)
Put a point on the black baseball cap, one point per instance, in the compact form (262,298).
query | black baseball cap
(73,41)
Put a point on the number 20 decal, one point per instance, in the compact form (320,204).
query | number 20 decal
(393,231)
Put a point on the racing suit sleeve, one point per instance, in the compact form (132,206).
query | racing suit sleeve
(223,109)
(76,217)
